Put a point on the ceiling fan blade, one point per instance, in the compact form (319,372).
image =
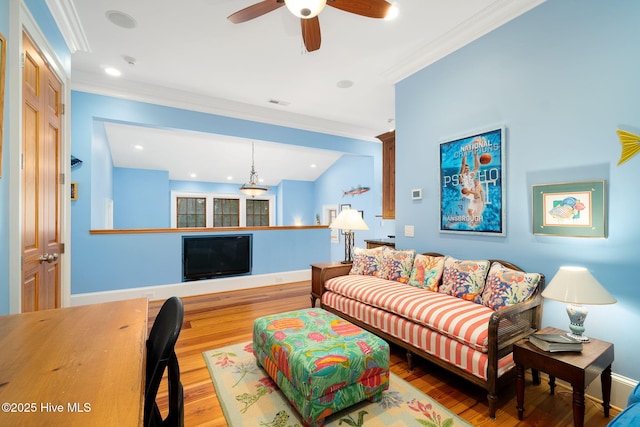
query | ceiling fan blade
(311,33)
(369,8)
(254,11)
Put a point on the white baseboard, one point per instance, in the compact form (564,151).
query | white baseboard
(199,287)
(621,388)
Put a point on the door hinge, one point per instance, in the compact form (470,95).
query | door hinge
(21,161)
(61,248)
(22,60)
(62,109)
(62,179)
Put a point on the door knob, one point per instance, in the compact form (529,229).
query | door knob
(48,258)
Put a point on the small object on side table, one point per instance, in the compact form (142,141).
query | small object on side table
(555,342)
(579,369)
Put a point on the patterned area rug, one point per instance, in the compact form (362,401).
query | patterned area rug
(250,398)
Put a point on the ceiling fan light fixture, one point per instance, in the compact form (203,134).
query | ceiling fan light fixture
(305,9)
(392,13)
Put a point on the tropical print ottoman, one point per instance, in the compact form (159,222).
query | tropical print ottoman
(321,362)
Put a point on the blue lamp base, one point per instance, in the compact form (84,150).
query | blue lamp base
(577,315)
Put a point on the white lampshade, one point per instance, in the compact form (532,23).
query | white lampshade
(305,9)
(575,285)
(349,219)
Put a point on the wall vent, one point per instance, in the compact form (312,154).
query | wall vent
(278,102)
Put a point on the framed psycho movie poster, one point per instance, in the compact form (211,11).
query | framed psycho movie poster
(472,184)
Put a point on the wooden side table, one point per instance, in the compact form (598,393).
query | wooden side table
(577,368)
(322,272)
(380,242)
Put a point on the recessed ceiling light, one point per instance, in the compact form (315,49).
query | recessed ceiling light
(138,147)
(120,19)
(112,71)
(229,178)
(344,84)
(193,175)
(313,165)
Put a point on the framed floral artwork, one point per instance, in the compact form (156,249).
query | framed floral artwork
(573,209)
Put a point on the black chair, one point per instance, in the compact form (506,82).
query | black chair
(160,357)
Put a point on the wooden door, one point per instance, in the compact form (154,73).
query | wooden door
(41,247)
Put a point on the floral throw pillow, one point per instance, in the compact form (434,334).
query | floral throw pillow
(426,272)
(397,265)
(464,278)
(506,287)
(367,262)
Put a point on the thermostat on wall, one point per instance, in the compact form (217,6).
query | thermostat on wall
(416,194)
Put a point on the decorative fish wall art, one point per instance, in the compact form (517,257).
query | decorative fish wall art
(355,191)
(630,145)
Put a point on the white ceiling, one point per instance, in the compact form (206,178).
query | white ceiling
(185,154)
(188,55)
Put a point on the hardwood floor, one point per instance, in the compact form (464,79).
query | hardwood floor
(220,319)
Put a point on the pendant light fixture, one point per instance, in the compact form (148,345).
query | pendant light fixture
(253,188)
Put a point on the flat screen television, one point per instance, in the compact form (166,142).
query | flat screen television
(206,257)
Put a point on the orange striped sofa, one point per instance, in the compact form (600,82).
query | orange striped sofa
(468,330)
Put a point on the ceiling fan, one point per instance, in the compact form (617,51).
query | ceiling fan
(308,10)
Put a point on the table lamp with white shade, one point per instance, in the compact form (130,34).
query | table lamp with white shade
(348,220)
(576,286)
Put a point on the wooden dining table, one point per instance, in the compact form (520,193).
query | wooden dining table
(76,366)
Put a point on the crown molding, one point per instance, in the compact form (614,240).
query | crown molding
(497,14)
(65,14)
(141,92)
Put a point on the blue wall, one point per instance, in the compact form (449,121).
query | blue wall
(346,173)
(207,187)
(562,78)
(297,199)
(141,198)
(97,175)
(121,261)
